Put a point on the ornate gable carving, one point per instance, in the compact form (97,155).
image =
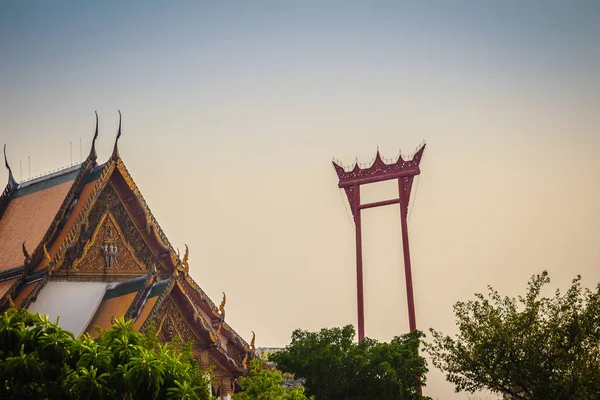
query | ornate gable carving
(173,324)
(108,252)
(109,244)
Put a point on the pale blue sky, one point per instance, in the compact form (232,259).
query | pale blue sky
(232,112)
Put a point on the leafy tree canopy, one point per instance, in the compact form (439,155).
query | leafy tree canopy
(529,347)
(334,367)
(40,360)
(264,383)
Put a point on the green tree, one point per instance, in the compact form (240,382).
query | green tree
(263,383)
(334,367)
(529,347)
(38,359)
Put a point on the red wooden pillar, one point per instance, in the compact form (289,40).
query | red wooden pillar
(402,189)
(359,266)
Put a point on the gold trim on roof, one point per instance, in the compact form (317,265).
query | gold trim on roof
(47,257)
(37,255)
(158,304)
(82,217)
(222,306)
(235,337)
(245,362)
(186,266)
(198,317)
(11,303)
(150,220)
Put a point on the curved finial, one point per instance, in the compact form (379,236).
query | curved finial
(93,156)
(26,255)
(5,159)
(10,301)
(245,361)
(12,183)
(47,257)
(115,153)
(252,342)
(222,306)
(185,259)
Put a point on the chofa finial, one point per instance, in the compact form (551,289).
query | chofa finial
(27,259)
(222,306)
(245,361)
(12,184)
(115,153)
(93,156)
(186,266)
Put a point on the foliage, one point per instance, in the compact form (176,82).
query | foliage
(38,359)
(532,347)
(263,383)
(334,367)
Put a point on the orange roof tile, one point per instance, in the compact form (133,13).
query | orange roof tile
(85,193)
(24,293)
(83,197)
(148,306)
(5,285)
(113,307)
(27,218)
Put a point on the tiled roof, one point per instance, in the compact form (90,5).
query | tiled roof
(77,207)
(24,292)
(109,308)
(154,294)
(29,213)
(146,310)
(53,209)
(5,285)
(118,299)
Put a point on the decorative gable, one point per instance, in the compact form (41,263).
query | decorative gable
(108,247)
(172,323)
(108,252)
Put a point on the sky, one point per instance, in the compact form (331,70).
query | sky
(233,111)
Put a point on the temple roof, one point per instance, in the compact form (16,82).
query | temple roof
(59,217)
(115,303)
(150,300)
(5,285)
(28,213)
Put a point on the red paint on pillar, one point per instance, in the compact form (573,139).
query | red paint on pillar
(412,321)
(359,267)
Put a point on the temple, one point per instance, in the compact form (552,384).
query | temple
(82,244)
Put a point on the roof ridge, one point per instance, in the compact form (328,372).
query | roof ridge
(161,298)
(132,280)
(140,298)
(49,175)
(135,189)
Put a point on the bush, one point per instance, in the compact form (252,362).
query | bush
(39,359)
